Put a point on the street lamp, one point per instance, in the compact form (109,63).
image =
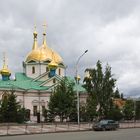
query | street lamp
(76,76)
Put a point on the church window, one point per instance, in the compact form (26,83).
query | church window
(43,109)
(34,110)
(5,96)
(59,71)
(33,70)
(47,69)
(54,81)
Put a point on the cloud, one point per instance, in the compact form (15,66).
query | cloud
(108,29)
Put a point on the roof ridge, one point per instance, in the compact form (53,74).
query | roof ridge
(40,76)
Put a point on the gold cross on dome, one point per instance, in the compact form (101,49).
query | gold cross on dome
(4,61)
(35,27)
(35,24)
(45,27)
(4,58)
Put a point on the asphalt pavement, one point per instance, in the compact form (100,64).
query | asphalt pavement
(120,134)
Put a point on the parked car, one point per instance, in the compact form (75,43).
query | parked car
(106,125)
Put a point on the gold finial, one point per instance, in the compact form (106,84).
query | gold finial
(4,61)
(35,32)
(35,38)
(5,66)
(45,28)
(44,35)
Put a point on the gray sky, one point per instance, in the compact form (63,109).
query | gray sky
(109,29)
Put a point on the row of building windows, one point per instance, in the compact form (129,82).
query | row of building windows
(47,69)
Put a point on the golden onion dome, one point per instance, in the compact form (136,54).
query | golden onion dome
(5,70)
(43,53)
(35,55)
(57,57)
(53,65)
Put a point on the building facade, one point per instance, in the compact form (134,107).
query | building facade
(43,69)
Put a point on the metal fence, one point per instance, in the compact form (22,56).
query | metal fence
(13,129)
(17,129)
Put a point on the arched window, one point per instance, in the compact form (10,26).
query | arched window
(5,96)
(33,70)
(54,81)
(59,71)
(35,110)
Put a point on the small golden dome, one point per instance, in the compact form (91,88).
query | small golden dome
(5,70)
(53,63)
(78,77)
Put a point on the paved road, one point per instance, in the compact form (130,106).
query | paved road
(121,134)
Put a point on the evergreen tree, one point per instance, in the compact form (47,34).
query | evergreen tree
(62,101)
(128,110)
(3,110)
(138,110)
(117,94)
(10,110)
(122,96)
(22,115)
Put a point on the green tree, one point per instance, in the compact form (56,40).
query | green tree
(10,110)
(48,115)
(138,110)
(122,96)
(100,86)
(117,94)
(3,110)
(62,101)
(91,108)
(83,113)
(115,113)
(22,115)
(128,110)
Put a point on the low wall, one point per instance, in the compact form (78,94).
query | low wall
(20,129)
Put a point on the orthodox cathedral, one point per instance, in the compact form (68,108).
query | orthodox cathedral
(43,69)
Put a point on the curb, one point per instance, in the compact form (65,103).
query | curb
(44,133)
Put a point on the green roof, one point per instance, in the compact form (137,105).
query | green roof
(77,86)
(22,82)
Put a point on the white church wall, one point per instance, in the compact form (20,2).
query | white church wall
(62,73)
(43,68)
(34,99)
(29,70)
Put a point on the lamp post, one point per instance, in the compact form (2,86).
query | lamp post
(76,76)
